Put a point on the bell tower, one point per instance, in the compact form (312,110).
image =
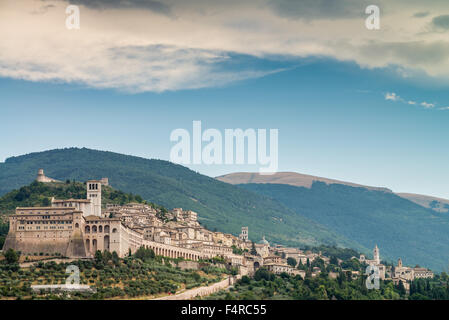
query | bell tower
(94,195)
(244,235)
(376,255)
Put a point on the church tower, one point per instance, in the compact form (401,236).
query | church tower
(94,195)
(244,235)
(376,255)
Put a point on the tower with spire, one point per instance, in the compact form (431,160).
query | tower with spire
(376,255)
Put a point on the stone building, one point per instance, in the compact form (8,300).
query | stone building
(409,274)
(72,228)
(42,178)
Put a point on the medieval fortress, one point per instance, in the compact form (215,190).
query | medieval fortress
(77,228)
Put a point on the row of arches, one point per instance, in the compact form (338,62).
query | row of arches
(92,246)
(99,229)
(173,253)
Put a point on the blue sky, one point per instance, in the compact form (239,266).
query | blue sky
(366,106)
(333,121)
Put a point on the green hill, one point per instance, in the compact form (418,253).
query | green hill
(220,205)
(398,226)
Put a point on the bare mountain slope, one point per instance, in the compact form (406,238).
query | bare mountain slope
(290,178)
(303,180)
(434,203)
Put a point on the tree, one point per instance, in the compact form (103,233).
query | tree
(46,202)
(245,280)
(98,257)
(263,273)
(253,249)
(11,256)
(144,254)
(291,262)
(107,256)
(115,258)
(333,260)
(401,288)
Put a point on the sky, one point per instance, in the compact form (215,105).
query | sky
(366,106)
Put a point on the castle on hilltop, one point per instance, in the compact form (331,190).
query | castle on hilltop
(42,178)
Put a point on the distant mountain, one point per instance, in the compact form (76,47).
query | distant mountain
(220,205)
(400,227)
(290,178)
(436,204)
(304,180)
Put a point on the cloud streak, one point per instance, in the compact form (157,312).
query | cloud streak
(392,96)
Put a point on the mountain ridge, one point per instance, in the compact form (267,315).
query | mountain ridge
(305,180)
(287,177)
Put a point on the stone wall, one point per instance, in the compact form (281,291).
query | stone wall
(203,291)
(188,265)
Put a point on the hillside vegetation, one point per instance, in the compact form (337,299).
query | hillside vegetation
(398,226)
(142,275)
(220,205)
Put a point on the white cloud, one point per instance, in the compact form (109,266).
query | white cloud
(161,45)
(392,96)
(427,105)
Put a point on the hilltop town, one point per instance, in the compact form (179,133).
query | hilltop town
(78,228)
